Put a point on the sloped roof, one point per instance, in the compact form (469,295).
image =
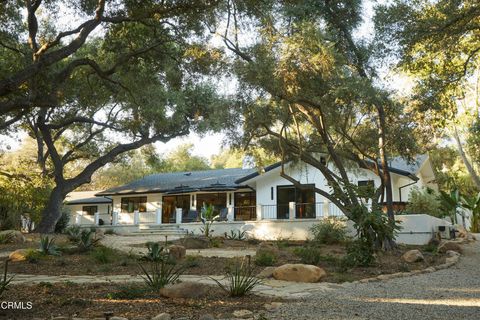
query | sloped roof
(180,182)
(91,200)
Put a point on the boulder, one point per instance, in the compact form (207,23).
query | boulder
(14,236)
(18,255)
(187,290)
(449,245)
(413,256)
(177,251)
(451,253)
(195,242)
(266,273)
(162,316)
(299,273)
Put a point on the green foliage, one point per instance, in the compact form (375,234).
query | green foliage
(425,201)
(33,256)
(103,255)
(265,259)
(73,233)
(309,255)
(191,262)
(329,231)
(155,252)
(62,223)
(208,217)
(240,281)
(359,254)
(159,273)
(5,281)
(450,202)
(236,235)
(48,247)
(127,292)
(86,241)
(473,204)
(6,237)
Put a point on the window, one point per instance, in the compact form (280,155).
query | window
(132,204)
(245,206)
(89,210)
(218,200)
(171,203)
(304,199)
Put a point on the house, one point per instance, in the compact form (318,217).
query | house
(266,204)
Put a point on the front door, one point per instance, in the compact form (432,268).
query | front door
(171,203)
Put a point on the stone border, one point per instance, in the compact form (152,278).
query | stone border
(452,259)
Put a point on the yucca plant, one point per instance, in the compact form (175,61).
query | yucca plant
(240,281)
(160,274)
(5,281)
(48,247)
(86,241)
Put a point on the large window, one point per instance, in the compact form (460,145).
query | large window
(304,199)
(217,199)
(131,204)
(171,203)
(89,210)
(245,206)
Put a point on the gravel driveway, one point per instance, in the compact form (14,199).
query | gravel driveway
(448,294)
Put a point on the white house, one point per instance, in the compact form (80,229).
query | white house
(240,197)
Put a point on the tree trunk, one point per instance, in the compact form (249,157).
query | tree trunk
(466,162)
(53,210)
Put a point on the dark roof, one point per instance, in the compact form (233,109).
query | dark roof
(181,182)
(91,200)
(398,165)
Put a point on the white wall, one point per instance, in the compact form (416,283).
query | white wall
(76,209)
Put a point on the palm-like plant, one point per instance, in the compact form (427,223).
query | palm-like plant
(451,202)
(240,281)
(48,247)
(208,217)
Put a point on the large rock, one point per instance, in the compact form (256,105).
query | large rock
(449,245)
(267,272)
(299,273)
(188,290)
(18,255)
(178,252)
(195,242)
(413,256)
(14,236)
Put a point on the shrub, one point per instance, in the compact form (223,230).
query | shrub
(73,233)
(63,221)
(48,247)
(235,235)
(426,201)
(86,241)
(5,281)
(160,273)
(240,281)
(127,292)
(6,237)
(191,262)
(265,259)
(329,231)
(33,256)
(103,254)
(309,255)
(359,254)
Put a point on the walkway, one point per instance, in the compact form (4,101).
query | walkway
(452,293)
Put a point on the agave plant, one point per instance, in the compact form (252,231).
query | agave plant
(5,281)
(240,281)
(86,240)
(48,247)
(155,252)
(160,273)
(73,233)
(235,235)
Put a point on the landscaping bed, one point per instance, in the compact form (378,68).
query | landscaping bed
(130,301)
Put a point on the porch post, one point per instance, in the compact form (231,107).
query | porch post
(178,213)
(291,210)
(259,212)
(319,210)
(230,213)
(114,218)
(158,216)
(326,208)
(97,218)
(136,217)
(78,218)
